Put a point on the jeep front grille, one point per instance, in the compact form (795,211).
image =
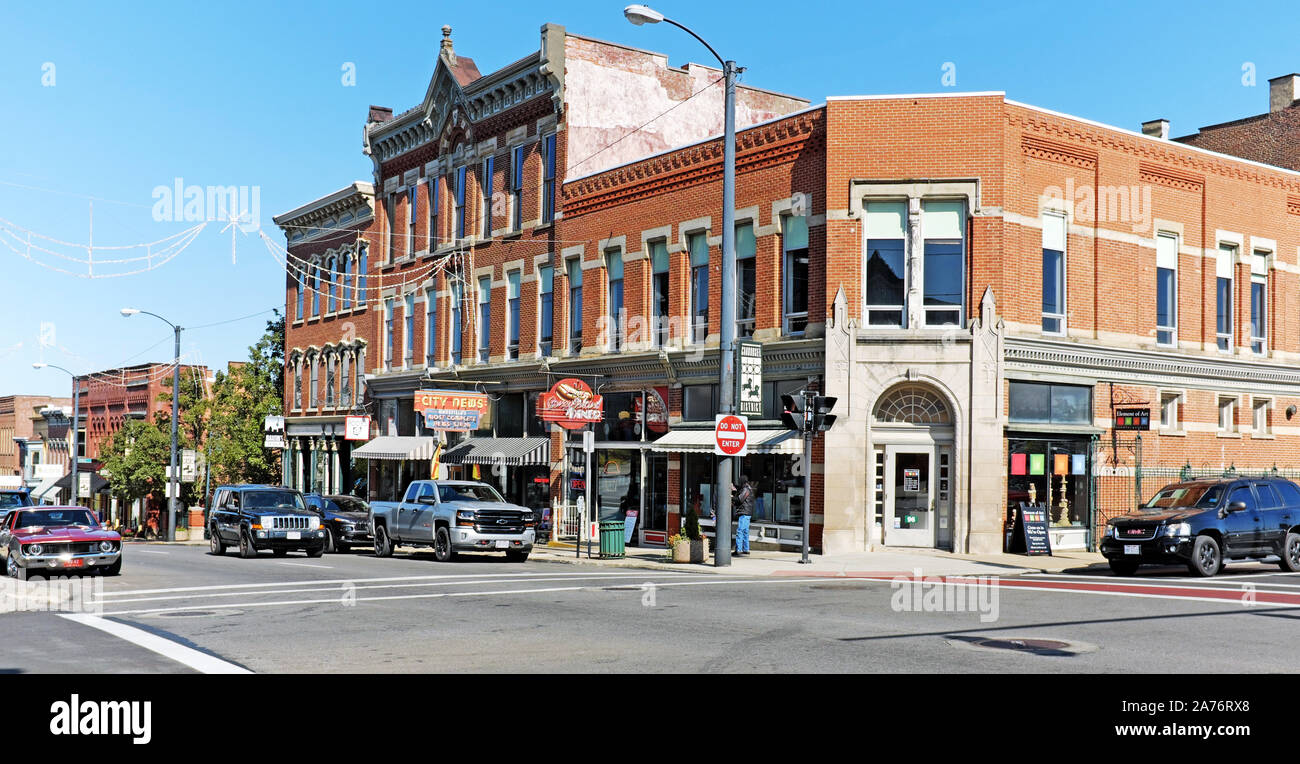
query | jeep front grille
(289,523)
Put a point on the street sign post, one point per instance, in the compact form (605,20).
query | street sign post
(730,436)
(749,380)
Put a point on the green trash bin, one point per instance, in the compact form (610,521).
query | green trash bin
(611,538)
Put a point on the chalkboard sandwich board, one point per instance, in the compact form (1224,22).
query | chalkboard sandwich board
(1031,530)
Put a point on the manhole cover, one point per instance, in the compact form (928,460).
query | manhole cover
(194,613)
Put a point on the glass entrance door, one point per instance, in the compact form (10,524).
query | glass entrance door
(653,525)
(909,496)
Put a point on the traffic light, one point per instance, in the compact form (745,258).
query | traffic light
(822,418)
(792,415)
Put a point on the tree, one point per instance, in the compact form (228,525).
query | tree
(242,398)
(134,459)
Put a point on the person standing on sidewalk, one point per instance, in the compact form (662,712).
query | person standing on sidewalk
(744,509)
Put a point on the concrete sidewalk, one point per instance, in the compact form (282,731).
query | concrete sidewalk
(861,564)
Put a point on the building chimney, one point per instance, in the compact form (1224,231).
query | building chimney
(1156,128)
(1283,92)
(447,51)
(380,114)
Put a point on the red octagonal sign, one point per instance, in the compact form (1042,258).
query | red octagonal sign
(731,435)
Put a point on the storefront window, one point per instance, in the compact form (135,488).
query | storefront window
(510,415)
(1050,404)
(699,402)
(1051,472)
(620,417)
(778,488)
(618,484)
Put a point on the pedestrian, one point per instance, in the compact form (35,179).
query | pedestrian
(744,508)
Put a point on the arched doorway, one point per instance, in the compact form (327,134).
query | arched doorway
(913,432)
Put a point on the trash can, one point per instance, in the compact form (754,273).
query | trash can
(611,538)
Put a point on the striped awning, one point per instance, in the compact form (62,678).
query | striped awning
(397,448)
(514,452)
(47,489)
(760,442)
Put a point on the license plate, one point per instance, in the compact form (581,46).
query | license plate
(503,544)
(293,535)
(75,562)
(1132,549)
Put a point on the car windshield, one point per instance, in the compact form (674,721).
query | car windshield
(273,500)
(1177,496)
(11,500)
(345,505)
(472,492)
(54,518)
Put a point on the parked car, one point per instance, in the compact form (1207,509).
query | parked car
(11,499)
(58,539)
(1205,523)
(257,517)
(346,520)
(453,516)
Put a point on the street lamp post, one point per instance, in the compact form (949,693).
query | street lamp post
(76,423)
(173,478)
(638,15)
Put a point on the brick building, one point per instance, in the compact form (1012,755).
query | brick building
(1271,138)
(20,416)
(983,284)
(330,326)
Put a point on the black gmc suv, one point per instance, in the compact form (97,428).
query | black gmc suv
(346,520)
(257,517)
(1203,523)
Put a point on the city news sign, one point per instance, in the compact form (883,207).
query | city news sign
(731,435)
(571,404)
(451,410)
(356,428)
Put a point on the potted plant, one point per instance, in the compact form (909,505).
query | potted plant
(689,545)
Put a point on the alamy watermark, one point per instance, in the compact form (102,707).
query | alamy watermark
(53,595)
(198,204)
(1105,204)
(946,594)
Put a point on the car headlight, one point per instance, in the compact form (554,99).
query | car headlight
(266,521)
(33,549)
(465,514)
(1178,529)
(105,546)
(1112,531)
(313,522)
(527,517)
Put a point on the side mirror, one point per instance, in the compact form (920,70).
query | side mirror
(430,500)
(1237,506)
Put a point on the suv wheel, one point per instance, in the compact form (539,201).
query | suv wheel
(1291,553)
(214,540)
(246,548)
(442,550)
(315,551)
(1123,567)
(331,545)
(1206,561)
(383,544)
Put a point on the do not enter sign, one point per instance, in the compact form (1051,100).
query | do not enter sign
(731,435)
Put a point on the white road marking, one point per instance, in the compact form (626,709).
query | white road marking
(199,661)
(1212,583)
(308,565)
(148,551)
(336,581)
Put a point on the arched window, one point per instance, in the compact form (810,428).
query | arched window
(912,404)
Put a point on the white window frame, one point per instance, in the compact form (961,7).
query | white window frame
(412,205)
(787,286)
(430,328)
(1171,402)
(514,306)
(388,334)
(1224,267)
(1164,263)
(1259,275)
(518,155)
(900,308)
(925,237)
(1049,244)
(1260,404)
(1228,402)
(408,331)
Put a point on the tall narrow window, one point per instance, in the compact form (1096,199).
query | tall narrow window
(794,269)
(408,332)
(460,203)
(484,318)
(1259,303)
(1167,290)
(746,272)
(698,245)
(297,385)
(315,289)
(575,305)
(457,324)
(390,212)
(430,328)
(659,300)
(488,165)
(548,178)
(614,269)
(362,269)
(329,284)
(886,279)
(388,335)
(517,189)
(1054,274)
(435,201)
(315,381)
(943,224)
(412,214)
(512,315)
(1223,297)
(329,380)
(346,377)
(302,291)
(345,280)
(546,289)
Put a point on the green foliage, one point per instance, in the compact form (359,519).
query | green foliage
(135,459)
(241,399)
(691,527)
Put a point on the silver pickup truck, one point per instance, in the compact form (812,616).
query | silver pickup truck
(453,516)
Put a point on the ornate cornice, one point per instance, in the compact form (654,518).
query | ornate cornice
(762,146)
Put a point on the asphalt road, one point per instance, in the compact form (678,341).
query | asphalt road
(181,609)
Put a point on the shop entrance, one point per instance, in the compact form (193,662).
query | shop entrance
(913,468)
(910,511)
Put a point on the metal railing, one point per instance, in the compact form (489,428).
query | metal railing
(565,522)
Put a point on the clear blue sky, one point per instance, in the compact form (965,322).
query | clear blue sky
(250,94)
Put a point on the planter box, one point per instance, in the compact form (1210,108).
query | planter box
(691,551)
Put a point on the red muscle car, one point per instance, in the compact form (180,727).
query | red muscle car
(58,540)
